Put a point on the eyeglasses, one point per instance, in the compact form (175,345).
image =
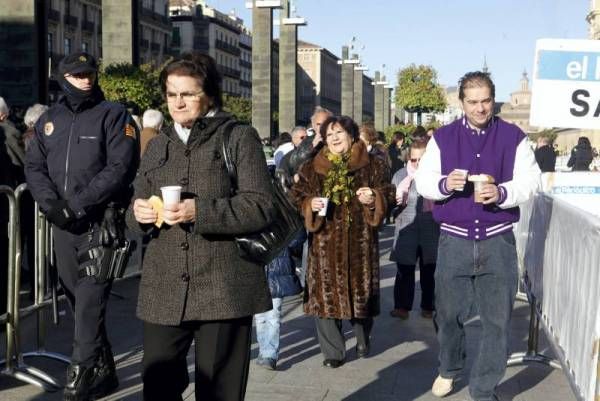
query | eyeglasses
(185,96)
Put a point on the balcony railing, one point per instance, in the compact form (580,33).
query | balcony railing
(151,16)
(53,15)
(155,47)
(87,26)
(246,64)
(246,84)
(219,44)
(144,43)
(70,20)
(230,72)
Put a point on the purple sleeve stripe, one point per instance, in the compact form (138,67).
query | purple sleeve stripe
(442,187)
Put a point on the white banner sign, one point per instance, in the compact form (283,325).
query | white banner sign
(566,84)
(581,189)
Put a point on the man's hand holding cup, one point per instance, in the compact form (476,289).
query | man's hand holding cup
(456,180)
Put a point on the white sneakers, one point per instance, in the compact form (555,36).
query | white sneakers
(442,386)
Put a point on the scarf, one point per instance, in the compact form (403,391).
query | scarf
(404,188)
(75,97)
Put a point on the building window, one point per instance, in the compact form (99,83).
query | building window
(67,46)
(84,46)
(67,7)
(84,12)
(50,42)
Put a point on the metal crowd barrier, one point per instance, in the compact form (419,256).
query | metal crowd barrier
(14,365)
(560,254)
(532,353)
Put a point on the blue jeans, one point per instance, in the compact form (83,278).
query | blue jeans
(267,331)
(478,276)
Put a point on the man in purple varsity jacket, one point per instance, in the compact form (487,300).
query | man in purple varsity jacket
(477,261)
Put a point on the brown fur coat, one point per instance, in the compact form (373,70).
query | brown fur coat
(342,279)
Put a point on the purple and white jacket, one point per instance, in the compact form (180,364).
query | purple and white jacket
(500,150)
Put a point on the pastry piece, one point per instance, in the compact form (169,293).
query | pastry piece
(157,205)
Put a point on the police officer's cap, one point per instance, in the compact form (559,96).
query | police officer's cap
(77,63)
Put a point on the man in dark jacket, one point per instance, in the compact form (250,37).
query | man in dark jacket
(544,155)
(311,144)
(79,168)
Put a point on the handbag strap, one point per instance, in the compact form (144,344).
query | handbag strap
(231,169)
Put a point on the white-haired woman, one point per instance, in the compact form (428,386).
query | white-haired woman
(152,121)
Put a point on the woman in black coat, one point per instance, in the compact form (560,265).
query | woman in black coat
(581,155)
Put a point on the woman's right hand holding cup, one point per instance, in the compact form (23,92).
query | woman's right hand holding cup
(144,212)
(316,204)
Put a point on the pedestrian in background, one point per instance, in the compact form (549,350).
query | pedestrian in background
(398,152)
(282,145)
(415,239)
(32,115)
(370,137)
(283,282)
(544,155)
(152,121)
(581,155)
(342,279)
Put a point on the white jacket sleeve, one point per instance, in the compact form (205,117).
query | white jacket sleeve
(429,178)
(526,178)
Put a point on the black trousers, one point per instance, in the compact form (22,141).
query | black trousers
(331,338)
(87,298)
(404,286)
(222,359)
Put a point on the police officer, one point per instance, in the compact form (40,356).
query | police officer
(79,168)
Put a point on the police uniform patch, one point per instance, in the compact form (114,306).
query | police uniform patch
(130,130)
(48,128)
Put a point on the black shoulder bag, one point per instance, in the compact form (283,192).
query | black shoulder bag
(263,246)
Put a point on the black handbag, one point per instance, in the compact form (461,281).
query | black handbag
(263,246)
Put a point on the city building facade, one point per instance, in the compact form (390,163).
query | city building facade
(199,27)
(155,31)
(517,110)
(319,81)
(73,25)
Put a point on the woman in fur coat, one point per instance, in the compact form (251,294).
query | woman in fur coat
(342,280)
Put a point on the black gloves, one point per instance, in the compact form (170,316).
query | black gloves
(60,214)
(112,229)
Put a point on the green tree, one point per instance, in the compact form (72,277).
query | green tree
(240,107)
(418,91)
(132,85)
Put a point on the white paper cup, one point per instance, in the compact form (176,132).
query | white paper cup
(478,182)
(465,173)
(323,211)
(171,195)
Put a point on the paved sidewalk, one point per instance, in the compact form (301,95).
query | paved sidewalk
(401,367)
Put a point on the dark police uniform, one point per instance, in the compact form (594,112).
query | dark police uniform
(84,156)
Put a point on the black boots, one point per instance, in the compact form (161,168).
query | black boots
(79,381)
(90,383)
(105,377)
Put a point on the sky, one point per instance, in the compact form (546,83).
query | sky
(453,36)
